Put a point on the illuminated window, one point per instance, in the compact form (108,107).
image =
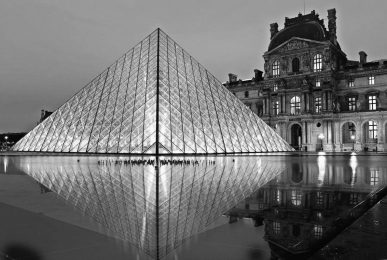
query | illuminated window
(276,68)
(374,178)
(296,197)
(317,62)
(317,105)
(319,199)
(372,130)
(371,80)
(372,102)
(295,105)
(246,94)
(318,231)
(351,83)
(351,103)
(318,83)
(275,107)
(275,87)
(276,227)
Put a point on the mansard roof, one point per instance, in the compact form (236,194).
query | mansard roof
(303,26)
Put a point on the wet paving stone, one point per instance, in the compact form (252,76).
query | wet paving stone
(364,239)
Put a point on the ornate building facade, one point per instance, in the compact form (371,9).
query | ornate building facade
(312,95)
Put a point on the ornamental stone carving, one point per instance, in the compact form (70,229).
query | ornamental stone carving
(294,45)
(306,60)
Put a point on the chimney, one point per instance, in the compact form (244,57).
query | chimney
(273,30)
(232,77)
(258,75)
(363,57)
(332,24)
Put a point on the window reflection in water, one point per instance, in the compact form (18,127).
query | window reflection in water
(331,192)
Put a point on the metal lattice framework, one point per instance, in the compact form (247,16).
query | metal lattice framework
(155,99)
(153,208)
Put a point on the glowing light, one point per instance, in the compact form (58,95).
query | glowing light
(5,164)
(353,165)
(321,163)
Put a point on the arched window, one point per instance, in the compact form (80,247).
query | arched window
(295,105)
(317,62)
(275,68)
(295,65)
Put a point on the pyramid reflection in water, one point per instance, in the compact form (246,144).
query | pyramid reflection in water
(153,208)
(155,99)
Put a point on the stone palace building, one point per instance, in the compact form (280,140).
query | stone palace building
(312,94)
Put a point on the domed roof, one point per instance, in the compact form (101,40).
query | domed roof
(311,30)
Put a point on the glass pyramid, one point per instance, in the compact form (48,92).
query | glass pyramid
(155,206)
(155,99)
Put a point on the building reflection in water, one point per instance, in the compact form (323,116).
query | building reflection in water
(154,206)
(304,208)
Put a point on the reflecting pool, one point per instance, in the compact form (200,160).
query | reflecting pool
(161,205)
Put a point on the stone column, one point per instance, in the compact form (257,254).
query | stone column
(329,131)
(358,139)
(380,144)
(302,103)
(337,140)
(279,104)
(307,102)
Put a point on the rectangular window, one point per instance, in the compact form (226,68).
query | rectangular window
(317,62)
(275,87)
(318,231)
(372,130)
(319,199)
(372,102)
(276,67)
(374,176)
(276,227)
(246,94)
(371,80)
(351,103)
(317,105)
(318,83)
(248,105)
(275,107)
(295,105)
(351,83)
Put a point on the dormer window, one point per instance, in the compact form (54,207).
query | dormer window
(317,62)
(295,65)
(351,83)
(275,68)
(318,83)
(371,80)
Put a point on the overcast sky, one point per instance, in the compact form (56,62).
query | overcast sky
(49,49)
